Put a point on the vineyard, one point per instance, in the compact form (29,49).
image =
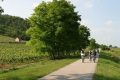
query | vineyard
(15,53)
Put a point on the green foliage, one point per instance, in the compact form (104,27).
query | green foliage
(110,46)
(97,45)
(14,26)
(84,34)
(1,10)
(104,47)
(92,43)
(15,53)
(56,29)
(115,47)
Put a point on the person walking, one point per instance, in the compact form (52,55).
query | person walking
(83,55)
(90,54)
(94,55)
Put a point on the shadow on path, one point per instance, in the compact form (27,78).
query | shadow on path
(72,77)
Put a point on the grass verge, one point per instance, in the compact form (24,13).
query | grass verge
(116,50)
(108,67)
(36,70)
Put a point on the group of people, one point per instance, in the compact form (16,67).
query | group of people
(91,53)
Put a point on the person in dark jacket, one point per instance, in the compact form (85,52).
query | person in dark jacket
(94,53)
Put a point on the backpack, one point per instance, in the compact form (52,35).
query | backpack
(90,52)
(82,51)
(94,52)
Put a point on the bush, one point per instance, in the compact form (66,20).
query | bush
(104,47)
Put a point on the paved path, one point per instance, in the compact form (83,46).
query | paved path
(74,71)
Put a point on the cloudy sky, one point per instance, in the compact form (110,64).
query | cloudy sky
(101,16)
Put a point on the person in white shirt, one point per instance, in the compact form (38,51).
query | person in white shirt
(82,54)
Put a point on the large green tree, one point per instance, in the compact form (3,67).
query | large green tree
(55,27)
(84,33)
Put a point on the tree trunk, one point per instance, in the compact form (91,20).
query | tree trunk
(63,54)
(69,53)
(74,52)
(59,54)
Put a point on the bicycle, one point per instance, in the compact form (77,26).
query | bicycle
(90,57)
(83,59)
(94,58)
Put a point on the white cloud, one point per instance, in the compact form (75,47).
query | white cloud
(89,5)
(35,4)
(104,30)
(109,22)
(85,22)
(107,38)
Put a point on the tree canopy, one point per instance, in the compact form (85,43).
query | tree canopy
(56,29)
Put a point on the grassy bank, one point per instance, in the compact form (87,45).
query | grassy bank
(108,67)
(36,70)
(116,50)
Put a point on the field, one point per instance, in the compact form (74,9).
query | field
(16,53)
(17,63)
(116,50)
(108,67)
(4,38)
(19,53)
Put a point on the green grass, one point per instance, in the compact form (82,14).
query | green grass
(116,50)
(5,38)
(108,67)
(36,70)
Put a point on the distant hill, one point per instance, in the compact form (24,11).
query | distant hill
(13,26)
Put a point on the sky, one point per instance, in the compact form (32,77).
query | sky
(102,17)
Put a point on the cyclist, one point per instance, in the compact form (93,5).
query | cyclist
(82,55)
(94,55)
(97,51)
(90,54)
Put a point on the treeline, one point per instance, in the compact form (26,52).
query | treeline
(110,46)
(104,47)
(13,26)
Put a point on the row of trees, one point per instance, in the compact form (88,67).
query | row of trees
(13,26)
(104,47)
(56,29)
(93,44)
(110,46)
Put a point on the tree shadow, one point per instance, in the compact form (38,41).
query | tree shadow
(78,77)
